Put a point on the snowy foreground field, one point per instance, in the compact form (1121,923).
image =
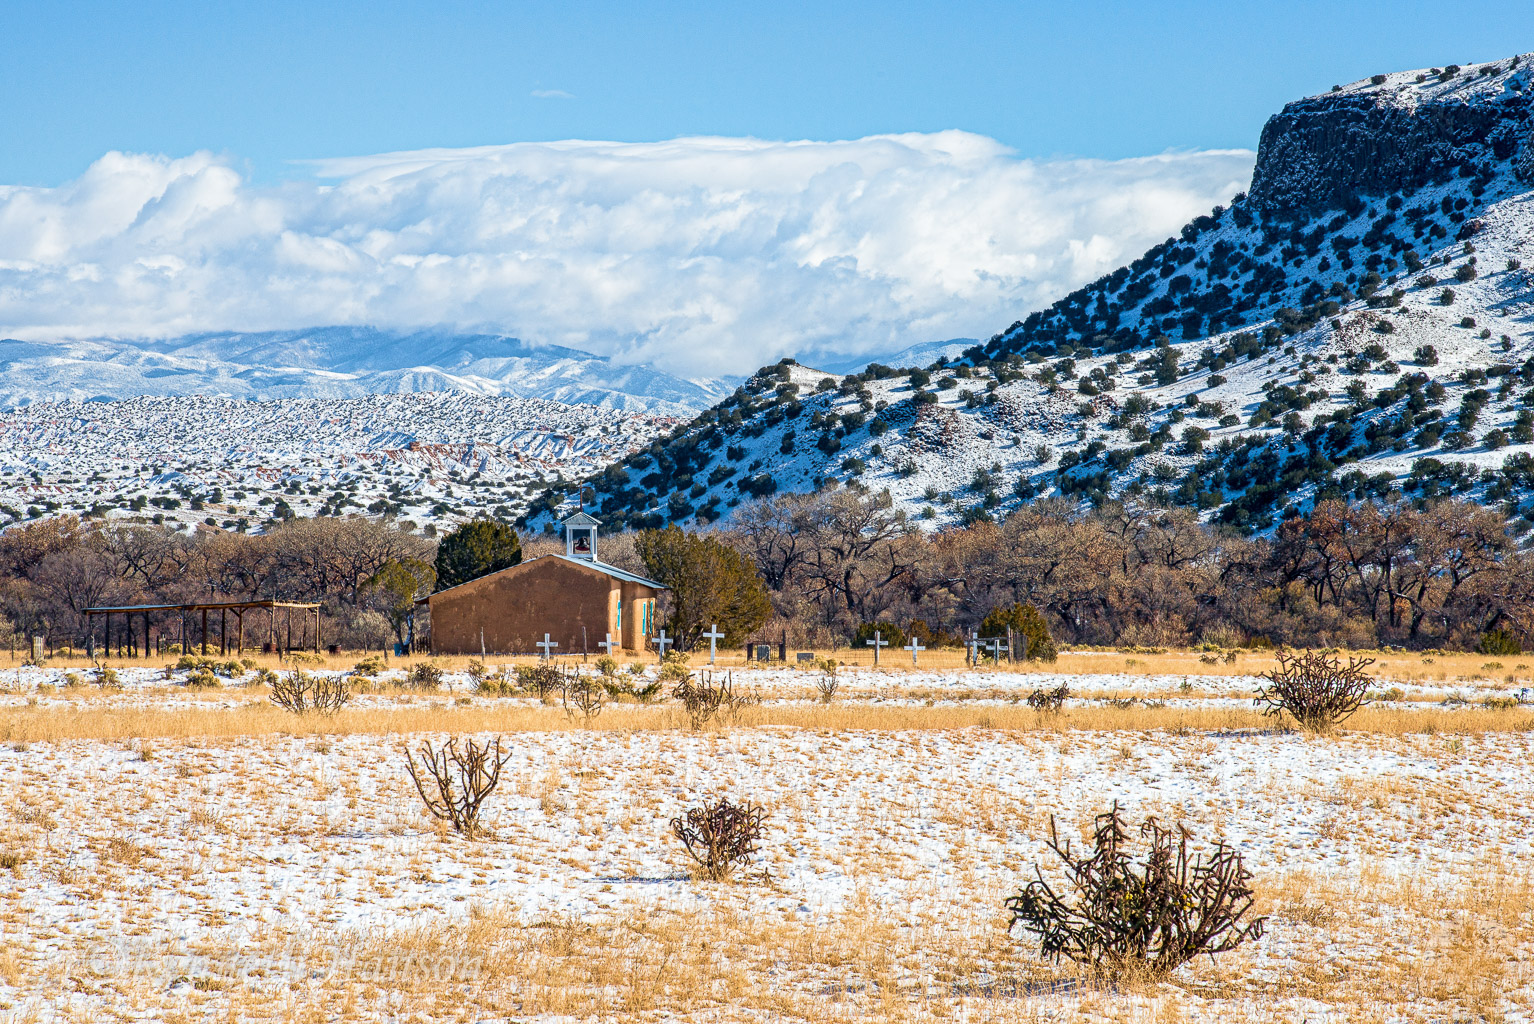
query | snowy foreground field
(177,854)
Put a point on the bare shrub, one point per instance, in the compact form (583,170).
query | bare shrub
(585,695)
(303,694)
(425,676)
(459,782)
(1138,920)
(700,700)
(827,683)
(720,836)
(1316,688)
(705,695)
(1049,700)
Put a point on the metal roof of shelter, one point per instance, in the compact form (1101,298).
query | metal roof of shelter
(196,606)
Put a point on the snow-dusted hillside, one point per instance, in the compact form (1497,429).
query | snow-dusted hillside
(340,362)
(430,458)
(1358,325)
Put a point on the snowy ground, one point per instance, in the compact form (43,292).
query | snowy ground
(224,860)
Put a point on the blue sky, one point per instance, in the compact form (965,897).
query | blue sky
(756,180)
(273,82)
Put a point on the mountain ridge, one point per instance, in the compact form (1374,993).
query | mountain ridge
(1337,331)
(340,362)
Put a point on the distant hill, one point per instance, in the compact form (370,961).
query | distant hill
(1357,325)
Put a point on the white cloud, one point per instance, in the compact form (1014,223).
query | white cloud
(551,94)
(701,255)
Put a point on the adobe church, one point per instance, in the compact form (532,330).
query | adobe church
(574,597)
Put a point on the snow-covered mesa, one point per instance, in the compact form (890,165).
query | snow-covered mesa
(700,256)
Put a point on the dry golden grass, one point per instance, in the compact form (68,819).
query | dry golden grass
(1389,666)
(254,717)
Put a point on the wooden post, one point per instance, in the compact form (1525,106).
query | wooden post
(239,620)
(204,632)
(146,634)
(223,631)
(316,631)
(107,630)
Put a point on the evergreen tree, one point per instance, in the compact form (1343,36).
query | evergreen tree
(476,549)
(1026,622)
(711,583)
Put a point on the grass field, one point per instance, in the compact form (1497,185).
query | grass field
(177,854)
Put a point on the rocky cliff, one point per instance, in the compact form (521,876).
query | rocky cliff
(1395,133)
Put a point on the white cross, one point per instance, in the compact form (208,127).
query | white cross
(877,642)
(915,648)
(714,636)
(660,643)
(974,647)
(547,645)
(608,645)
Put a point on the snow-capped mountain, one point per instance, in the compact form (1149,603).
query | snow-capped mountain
(340,362)
(1358,324)
(923,354)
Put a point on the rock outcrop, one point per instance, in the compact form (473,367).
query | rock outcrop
(1395,133)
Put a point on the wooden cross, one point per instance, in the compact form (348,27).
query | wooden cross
(997,646)
(547,646)
(973,643)
(608,645)
(915,648)
(877,642)
(714,636)
(660,643)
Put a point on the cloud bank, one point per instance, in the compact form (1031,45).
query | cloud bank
(700,255)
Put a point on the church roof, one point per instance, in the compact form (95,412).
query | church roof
(584,563)
(580,519)
(611,570)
